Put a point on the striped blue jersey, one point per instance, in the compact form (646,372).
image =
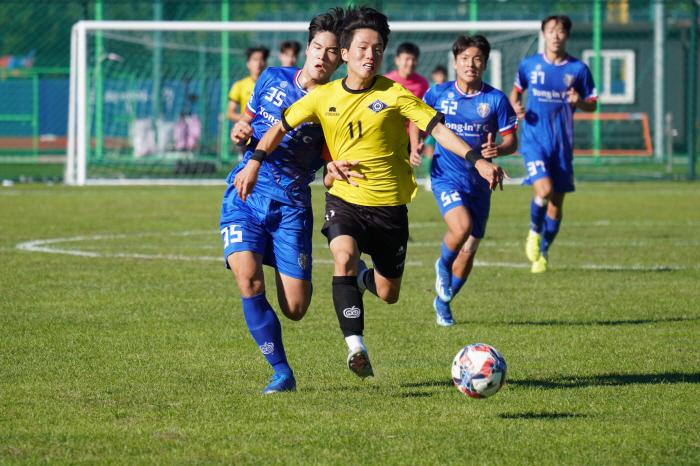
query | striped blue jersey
(472,117)
(286,173)
(548,125)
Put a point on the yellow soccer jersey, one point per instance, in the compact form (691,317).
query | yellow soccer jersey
(241,91)
(369,126)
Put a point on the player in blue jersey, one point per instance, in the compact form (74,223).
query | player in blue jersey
(273,225)
(557,85)
(475,111)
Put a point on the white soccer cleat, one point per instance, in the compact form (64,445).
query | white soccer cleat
(358,362)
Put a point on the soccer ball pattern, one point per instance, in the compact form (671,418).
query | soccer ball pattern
(479,370)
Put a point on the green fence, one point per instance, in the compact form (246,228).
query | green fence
(643,55)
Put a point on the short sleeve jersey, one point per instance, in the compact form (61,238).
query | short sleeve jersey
(241,91)
(367,125)
(472,117)
(286,172)
(548,125)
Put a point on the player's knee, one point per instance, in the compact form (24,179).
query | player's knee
(391,294)
(462,231)
(344,258)
(294,311)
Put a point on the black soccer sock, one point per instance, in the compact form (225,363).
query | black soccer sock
(347,300)
(369,282)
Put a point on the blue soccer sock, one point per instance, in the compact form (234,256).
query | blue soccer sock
(457,284)
(448,256)
(267,331)
(538,209)
(551,228)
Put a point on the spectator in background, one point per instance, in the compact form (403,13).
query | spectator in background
(439,76)
(405,73)
(289,52)
(240,92)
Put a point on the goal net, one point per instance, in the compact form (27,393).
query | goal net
(148,99)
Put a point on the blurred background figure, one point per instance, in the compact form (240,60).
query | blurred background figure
(289,53)
(240,92)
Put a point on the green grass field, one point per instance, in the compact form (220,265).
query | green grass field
(130,347)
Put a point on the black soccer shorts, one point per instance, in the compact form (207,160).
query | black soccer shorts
(381,232)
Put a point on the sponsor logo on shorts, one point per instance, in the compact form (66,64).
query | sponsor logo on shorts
(332,111)
(377,106)
(352,312)
(267,348)
(401,265)
(303,260)
(330,215)
(402,250)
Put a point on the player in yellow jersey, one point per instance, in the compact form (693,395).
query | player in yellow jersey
(364,119)
(240,92)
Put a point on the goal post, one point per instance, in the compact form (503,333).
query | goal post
(194,59)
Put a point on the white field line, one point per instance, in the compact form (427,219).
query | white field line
(44,245)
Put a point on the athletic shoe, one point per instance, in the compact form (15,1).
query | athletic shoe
(532,246)
(443,282)
(281,383)
(444,314)
(358,362)
(361,266)
(540,265)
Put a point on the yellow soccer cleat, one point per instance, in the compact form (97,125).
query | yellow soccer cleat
(532,246)
(540,265)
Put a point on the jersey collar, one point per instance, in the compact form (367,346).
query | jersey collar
(358,91)
(296,82)
(561,63)
(461,92)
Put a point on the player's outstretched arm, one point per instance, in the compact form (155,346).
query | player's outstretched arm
(416,144)
(450,141)
(516,101)
(242,131)
(247,178)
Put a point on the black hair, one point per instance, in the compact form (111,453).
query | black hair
(329,21)
(464,42)
(251,50)
(290,44)
(409,48)
(439,69)
(564,20)
(363,17)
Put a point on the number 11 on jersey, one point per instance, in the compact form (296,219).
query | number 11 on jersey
(359,130)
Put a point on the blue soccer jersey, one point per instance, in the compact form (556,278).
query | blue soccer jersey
(472,117)
(548,128)
(285,174)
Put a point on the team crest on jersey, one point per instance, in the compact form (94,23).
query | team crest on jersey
(568,80)
(377,106)
(451,95)
(538,67)
(483,109)
(303,260)
(283,84)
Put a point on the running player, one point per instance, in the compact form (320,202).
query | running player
(274,227)
(364,118)
(475,111)
(557,85)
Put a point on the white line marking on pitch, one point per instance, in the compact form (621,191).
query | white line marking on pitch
(42,245)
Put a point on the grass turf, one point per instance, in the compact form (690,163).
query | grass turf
(132,354)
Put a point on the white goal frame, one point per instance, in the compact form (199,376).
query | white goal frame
(76,156)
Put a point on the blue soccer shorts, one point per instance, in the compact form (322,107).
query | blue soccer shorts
(557,166)
(280,232)
(477,206)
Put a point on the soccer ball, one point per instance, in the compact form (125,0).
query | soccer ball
(479,370)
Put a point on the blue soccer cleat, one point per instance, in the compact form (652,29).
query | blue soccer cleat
(361,266)
(444,313)
(443,281)
(281,383)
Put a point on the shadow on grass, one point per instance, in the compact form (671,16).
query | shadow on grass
(413,395)
(609,379)
(429,383)
(591,323)
(540,416)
